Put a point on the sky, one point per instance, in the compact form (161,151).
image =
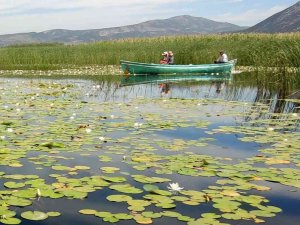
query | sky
(18,16)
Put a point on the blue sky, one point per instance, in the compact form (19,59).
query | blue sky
(18,16)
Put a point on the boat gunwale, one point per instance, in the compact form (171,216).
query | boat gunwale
(229,63)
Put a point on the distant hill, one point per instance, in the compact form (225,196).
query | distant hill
(287,20)
(178,25)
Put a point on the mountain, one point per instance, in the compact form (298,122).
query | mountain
(179,25)
(287,20)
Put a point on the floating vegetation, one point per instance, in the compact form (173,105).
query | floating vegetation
(34,215)
(124,152)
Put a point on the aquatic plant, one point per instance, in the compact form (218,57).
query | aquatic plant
(258,50)
(174,187)
(49,158)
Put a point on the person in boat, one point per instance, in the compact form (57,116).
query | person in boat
(170,58)
(223,58)
(165,58)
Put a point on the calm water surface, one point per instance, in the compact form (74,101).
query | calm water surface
(91,90)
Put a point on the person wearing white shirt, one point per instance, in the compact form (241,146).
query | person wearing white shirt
(223,58)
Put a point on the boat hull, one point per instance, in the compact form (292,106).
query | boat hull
(137,68)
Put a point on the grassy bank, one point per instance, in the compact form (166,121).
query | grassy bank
(281,50)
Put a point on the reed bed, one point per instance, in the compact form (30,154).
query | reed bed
(255,50)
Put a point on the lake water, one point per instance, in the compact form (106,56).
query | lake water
(69,144)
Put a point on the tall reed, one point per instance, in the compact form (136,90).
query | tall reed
(271,50)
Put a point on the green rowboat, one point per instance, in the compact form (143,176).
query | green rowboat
(136,68)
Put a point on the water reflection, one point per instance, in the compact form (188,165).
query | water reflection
(184,86)
(249,87)
(240,87)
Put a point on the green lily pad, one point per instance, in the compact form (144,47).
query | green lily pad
(126,188)
(111,219)
(162,192)
(119,198)
(114,179)
(88,211)
(123,216)
(10,220)
(152,215)
(150,187)
(52,145)
(34,215)
(109,169)
(12,184)
(53,214)
(142,220)
(14,201)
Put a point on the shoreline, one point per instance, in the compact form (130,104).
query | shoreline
(108,70)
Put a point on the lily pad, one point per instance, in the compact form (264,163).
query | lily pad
(34,215)
(10,220)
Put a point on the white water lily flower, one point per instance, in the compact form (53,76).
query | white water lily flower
(101,138)
(270,129)
(112,116)
(295,114)
(174,187)
(10,130)
(137,125)
(72,118)
(2,137)
(88,130)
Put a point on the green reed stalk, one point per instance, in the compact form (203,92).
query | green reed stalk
(259,50)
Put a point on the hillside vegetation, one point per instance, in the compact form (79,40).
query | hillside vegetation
(178,25)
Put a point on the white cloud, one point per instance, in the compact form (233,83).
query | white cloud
(26,5)
(234,1)
(28,15)
(32,15)
(250,17)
